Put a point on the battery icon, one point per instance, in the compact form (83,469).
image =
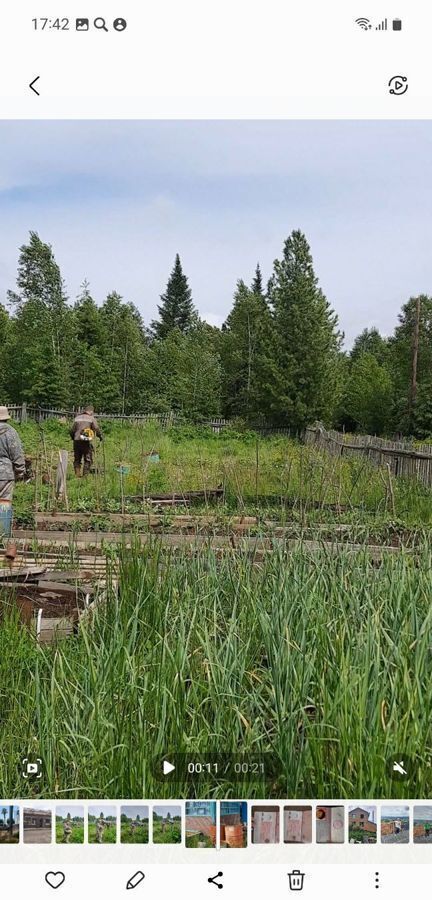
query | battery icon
(397,24)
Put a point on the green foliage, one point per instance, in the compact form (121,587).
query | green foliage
(301,630)
(360,836)
(368,394)
(42,328)
(276,360)
(294,482)
(306,384)
(247,351)
(5,327)
(370,341)
(176,309)
(401,346)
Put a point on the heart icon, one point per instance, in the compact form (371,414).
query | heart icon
(55,879)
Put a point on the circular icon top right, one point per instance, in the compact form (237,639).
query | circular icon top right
(119,24)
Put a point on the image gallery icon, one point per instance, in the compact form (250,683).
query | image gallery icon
(82,24)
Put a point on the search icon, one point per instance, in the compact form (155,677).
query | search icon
(100,23)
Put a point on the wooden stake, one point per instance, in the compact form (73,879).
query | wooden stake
(391,491)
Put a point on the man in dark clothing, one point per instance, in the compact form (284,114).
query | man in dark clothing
(83,432)
(12,462)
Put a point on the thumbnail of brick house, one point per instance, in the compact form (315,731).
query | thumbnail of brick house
(200,818)
(359,818)
(37,818)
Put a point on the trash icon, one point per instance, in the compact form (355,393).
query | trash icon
(296,879)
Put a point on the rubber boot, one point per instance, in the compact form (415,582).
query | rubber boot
(77,470)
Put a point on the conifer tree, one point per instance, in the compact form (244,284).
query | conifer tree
(176,309)
(257,283)
(247,354)
(307,341)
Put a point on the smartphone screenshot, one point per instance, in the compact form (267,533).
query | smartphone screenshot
(215,449)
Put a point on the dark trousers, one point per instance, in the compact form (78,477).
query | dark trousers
(83,450)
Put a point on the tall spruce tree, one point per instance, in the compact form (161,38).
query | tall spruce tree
(257,283)
(307,340)
(247,354)
(176,309)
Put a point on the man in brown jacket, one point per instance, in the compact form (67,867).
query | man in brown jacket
(83,432)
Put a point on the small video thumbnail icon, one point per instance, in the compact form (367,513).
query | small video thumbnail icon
(82,24)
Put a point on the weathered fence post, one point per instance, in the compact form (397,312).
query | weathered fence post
(24,412)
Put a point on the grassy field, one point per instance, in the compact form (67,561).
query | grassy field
(321,658)
(77,834)
(138,835)
(269,476)
(193,841)
(166,834)
(109,834)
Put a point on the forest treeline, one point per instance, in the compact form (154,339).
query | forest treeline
(277,359)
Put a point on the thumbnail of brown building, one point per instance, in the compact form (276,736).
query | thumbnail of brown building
(37,818)
(359,818)
(37,826)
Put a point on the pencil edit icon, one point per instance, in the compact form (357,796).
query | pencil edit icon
(135,880)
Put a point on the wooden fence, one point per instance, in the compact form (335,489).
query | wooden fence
(403,458)
(27,412)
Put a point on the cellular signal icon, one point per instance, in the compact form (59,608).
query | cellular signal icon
(382,26)
(365,24)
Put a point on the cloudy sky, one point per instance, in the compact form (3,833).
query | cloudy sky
(117,200)
(399,812)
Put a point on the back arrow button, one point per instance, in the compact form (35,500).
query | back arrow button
(32,85)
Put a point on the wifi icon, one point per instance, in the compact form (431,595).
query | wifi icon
(364,23)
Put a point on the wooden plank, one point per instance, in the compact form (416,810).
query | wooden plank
(46,520)
(214,542)
(21,573)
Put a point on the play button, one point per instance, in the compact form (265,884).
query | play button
(167,767)
(398,85)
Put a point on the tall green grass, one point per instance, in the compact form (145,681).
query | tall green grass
(323,660)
